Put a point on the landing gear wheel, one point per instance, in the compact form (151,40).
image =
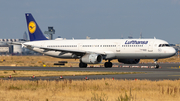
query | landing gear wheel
(82,65)
(108,64)
(156,66)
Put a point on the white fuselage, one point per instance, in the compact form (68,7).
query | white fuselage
(112,48)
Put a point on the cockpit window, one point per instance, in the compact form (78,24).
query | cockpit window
(164,45)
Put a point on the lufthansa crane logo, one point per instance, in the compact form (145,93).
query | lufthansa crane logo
(32,27)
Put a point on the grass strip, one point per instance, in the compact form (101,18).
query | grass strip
(90,90)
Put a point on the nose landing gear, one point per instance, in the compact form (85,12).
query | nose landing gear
(156,65)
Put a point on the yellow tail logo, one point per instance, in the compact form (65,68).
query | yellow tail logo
(32,27)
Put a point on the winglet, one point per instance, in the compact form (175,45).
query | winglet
(35,32)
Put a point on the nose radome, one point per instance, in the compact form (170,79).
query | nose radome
(172,51)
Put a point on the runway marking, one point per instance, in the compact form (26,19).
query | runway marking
(174,67)
(173,75)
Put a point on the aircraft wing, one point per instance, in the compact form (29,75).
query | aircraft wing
(68,51)
(62,50)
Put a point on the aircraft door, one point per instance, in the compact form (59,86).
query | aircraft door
(80,46)
(42,44)
(150,46)
(118,48)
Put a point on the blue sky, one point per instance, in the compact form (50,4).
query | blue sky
(103,19)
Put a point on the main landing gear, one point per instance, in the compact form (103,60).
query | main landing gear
(108,64)
(156,65)
(82,65)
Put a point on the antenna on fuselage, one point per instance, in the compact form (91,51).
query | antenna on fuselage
(140,35)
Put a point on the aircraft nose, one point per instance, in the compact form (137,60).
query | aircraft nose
(172,51)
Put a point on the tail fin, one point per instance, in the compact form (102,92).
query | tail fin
(35,32)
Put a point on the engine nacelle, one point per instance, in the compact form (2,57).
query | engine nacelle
(92,58)
(129,61)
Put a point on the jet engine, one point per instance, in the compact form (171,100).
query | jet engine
(91,58)
(129,61)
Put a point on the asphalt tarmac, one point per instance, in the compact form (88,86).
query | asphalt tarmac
(169,71)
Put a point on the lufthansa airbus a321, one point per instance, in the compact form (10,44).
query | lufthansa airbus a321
(93,51)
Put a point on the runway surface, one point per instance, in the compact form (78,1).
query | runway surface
(167,71)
